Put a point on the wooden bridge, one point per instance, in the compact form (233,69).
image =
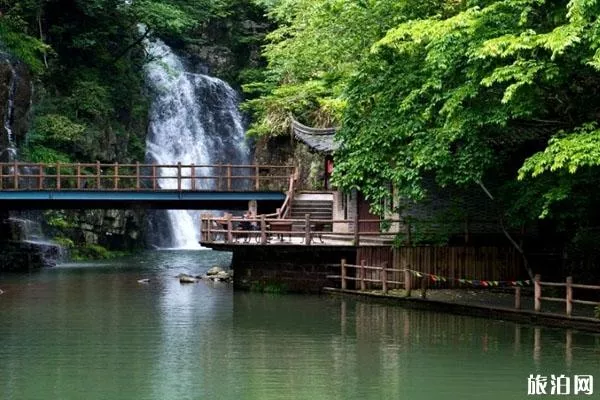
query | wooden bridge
(179,186)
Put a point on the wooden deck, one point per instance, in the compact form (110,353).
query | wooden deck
(236,231)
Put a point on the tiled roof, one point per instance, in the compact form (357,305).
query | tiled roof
(318,139)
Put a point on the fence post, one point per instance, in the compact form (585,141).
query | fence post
(407,281)
(518,297)
(193,176)
(78,176)
(307,238)
(384,278)
(179,176)
(229,227)
(569,295)
(228,177)
(537,293)
(153,176)
(98,171)
(16,174)
(263,229)
(256,178)
(363,284)
(116,176)
(356,230)
(137,175)
(208,228)
(57,176)
(41,177)
(343,265)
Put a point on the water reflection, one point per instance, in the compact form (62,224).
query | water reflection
(91,331)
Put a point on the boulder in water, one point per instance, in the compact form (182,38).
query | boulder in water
(220,276)
(214,271)
(184,278)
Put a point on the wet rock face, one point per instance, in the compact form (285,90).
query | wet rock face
(13,73)
(113,229)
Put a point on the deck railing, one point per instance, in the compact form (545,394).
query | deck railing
(143,177)
(264,229)
(379,277)
(568,299)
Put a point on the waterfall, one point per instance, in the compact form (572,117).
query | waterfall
(9,154)
(194,119)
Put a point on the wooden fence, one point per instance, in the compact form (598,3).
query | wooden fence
(568,299)
(143,177)
(382,280)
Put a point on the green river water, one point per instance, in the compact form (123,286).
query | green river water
(91,331)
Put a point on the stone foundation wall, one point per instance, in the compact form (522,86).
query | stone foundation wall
(287,268)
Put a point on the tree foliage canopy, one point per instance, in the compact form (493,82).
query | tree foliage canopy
(500,93)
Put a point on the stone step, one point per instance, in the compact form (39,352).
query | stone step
(312,204)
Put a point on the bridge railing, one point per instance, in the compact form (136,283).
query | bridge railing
(143,177)
(265,230)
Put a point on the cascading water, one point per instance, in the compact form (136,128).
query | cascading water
(9,153)
(194,119)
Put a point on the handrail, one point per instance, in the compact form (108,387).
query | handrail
(283,211)
(142,177)
(311,228)
(568,299)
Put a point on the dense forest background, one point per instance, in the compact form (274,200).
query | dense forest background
(494,96)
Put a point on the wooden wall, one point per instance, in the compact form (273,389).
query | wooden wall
(456,262)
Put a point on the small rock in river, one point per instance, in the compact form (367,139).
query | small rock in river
(214,271)
(183,278)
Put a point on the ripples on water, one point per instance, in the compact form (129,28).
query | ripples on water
(91,331)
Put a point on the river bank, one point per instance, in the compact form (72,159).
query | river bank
(481,304)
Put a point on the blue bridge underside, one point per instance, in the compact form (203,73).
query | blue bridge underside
(164,199)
